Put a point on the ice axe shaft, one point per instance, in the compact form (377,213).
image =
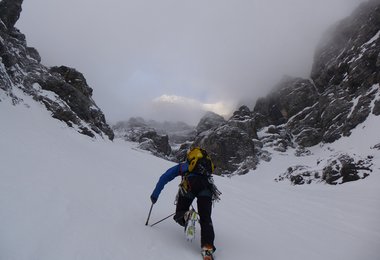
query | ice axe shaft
(150,211)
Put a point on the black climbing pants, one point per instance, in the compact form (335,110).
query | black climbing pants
(204,203)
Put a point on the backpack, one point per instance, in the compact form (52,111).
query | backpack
(199,161)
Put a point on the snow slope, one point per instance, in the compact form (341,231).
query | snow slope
(66,196)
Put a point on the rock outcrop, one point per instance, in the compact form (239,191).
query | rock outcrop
(338,169)
(343,89)
(138,130)
(231,144)
(344,86)
(209,121)
(287,99)
(64,91)
(10,11)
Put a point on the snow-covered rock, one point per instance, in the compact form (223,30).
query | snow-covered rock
(335,169)
(64,91)
(343,91)
(209,121)
(136,129)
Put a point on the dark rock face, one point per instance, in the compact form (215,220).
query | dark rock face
(376,108)
(132,129)
(209,121)
(231,145)
(277,138)
(243,119)
(288,98)
(348,55)
(137,130)
(10,12)
(160,142)
(344,88)
(346,75)
(64,91)
(346,72)
(299,175)
(344,168)
(231,149)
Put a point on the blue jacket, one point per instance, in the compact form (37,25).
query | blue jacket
(169,175)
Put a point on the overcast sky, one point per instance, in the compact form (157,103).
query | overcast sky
(172,59)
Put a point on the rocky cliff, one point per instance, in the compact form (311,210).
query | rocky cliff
(136,129)
(343,90)
(64,91)
(344,85)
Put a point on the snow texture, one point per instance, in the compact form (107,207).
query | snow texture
(64,196)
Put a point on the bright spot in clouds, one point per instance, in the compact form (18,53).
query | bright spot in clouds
(188,109)
(219,108)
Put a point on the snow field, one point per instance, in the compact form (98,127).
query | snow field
(67,196)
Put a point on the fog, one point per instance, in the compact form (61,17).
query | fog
(173,59)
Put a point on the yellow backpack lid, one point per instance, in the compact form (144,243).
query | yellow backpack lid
(196,155)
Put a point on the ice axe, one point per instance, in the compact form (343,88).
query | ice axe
(150,211)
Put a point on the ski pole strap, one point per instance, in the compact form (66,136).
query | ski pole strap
(162,220)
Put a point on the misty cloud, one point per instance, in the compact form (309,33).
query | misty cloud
(212,52)
(171,107)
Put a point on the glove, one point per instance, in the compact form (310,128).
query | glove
(153,199)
